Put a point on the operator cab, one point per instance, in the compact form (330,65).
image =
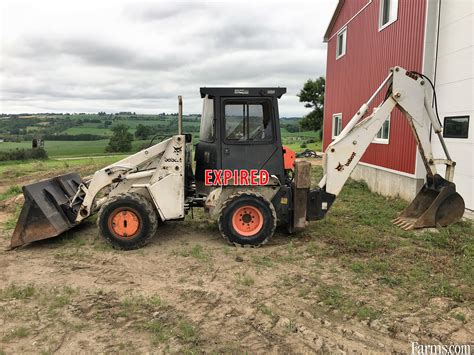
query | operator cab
(240,130)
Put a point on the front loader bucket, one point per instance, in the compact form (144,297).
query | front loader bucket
(436,204)
(46,212)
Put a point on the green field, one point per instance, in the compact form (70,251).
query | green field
(24,128)
(70,148)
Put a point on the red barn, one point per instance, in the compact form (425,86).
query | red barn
(367,37)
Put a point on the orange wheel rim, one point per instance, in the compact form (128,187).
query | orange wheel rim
(124,223)
(247,221)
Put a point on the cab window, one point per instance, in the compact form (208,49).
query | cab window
(246,122)
(206,133)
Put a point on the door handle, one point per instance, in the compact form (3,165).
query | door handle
(226,151)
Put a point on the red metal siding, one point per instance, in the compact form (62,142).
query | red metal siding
(352,79)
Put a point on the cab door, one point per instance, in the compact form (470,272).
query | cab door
(250,135)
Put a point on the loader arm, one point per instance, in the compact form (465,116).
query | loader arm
(56,205)
(146,169)
(408,92)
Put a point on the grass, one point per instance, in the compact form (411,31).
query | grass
(244,280)
(17,292)
(262,260)
(17,333)
(135,303)
(12,170)
(336,298)
(57,149)
(268,312)
(162,322)
(196,252)
(459,316)
(12,191)
(59,297)
(358,232)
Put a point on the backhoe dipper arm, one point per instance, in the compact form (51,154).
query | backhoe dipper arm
(408,93)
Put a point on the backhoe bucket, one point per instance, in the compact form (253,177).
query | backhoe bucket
(46,212)
(436,204)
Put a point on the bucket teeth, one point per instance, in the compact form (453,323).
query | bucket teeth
(398,221)
(403,223)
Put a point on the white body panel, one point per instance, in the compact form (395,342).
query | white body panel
(158,169)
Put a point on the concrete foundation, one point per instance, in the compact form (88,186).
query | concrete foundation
(387,183)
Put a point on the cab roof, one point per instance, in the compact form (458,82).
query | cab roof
(242,92)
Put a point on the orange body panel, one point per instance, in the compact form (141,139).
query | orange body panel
(289,157)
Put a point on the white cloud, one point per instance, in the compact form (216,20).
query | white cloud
(117,55)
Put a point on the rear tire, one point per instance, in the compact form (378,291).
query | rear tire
(127,221)
(247,219)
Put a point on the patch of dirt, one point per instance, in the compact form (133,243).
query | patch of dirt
(213,297)
(188,291)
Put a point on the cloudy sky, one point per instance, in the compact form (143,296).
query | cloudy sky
(119,55)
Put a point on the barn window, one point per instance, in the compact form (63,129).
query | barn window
(384,132)
(388,13)
(341,43)
(456,127)
(336,124)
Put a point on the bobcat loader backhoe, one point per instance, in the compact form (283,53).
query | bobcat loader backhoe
(239,133)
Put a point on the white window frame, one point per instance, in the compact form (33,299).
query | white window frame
(393,14)
(334,116)
(383,140)
(342,32)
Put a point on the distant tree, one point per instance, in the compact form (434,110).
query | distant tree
(121,139)
(312,95)
(143,132)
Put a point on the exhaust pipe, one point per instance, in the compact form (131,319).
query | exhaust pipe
(180,115)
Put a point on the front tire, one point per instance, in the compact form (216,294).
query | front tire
(247,218)
(127,221)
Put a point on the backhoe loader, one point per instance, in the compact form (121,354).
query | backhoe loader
(239,139)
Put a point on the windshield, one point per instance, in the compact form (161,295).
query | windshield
(207,120)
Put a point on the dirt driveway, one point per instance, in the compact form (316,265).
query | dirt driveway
(187,291)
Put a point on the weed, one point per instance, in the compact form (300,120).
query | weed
(334,297)
(443,288)
(331,296)
(268,312)
(303,292)
(160,332)
(10,223)
(357,267)
(187,332)
(17,333)
(291,327)
(244,279)
(60,297)
(312,248)
(264,260)
(196,252)
(459,316)
(367,312)
(135,303)
(17,292)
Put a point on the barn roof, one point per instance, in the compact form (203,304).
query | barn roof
(333,20)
